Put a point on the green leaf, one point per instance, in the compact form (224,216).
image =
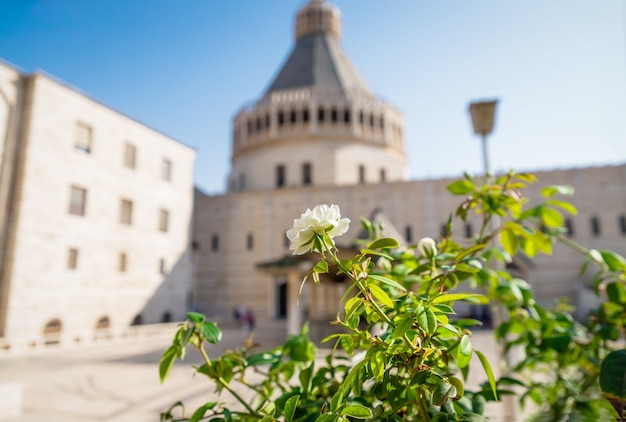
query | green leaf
(386,243)
(464,351)
(441,393)
(467,297)
(614,261)
(387,281)
(380,294)
(402,326)
(290,407)
(529,246)
(488,371)
(551,217)
(461,187)
(613,380)
(377,365)
(211,332)
(458,384)
(466,252)
(377,253)
(566,206)
(269,408)
(616,292)
(347,343)
(426,319)
(357,411)
(321,267)
(195,317)
(549,191)
(509,241)
(201,411)
(263,359)
(166,362)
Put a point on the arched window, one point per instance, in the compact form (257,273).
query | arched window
(102,328)
(52,331)
(103,323)
(166,317)
(320,114)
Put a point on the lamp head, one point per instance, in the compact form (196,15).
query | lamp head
(483,113)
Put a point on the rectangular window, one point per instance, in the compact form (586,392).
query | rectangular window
(346,115)
(469,230)
(166,170)
(162,269)
(164,217)
(215,243)
(408,234)
(333,115)
(126,212)
(84,135)
(307,176)
(281,118)
(569,227)
(622,224)
(383,175)
(78,200)
(122,262)
(130,155)
(305,115)
(72,258)
(249,242)
(595,226)
(361,173)
(281,176)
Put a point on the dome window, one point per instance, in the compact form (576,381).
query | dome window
(320,114)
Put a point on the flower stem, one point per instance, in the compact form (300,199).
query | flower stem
(221,381)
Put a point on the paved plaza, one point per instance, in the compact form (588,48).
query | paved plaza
(118,381)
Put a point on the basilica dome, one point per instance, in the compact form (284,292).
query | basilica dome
(318,122)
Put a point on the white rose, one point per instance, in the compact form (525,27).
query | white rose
(427,247)
(323,219)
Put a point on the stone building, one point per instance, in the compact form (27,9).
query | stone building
(318,135)
(95,215)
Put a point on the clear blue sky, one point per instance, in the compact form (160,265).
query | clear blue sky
(186,67)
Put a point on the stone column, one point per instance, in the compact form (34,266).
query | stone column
(294,312)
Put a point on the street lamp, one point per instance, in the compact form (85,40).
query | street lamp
(483,115)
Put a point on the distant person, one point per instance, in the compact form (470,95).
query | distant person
(247,323)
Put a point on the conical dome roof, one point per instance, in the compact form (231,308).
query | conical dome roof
(317,61)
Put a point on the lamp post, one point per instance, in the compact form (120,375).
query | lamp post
(483,116)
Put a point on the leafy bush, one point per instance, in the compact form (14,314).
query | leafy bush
(400,351)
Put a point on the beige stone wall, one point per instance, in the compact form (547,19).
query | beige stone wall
(334,162)
(42,286)
(229,275)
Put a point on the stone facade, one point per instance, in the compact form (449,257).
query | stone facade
(96,216)
(226,260)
